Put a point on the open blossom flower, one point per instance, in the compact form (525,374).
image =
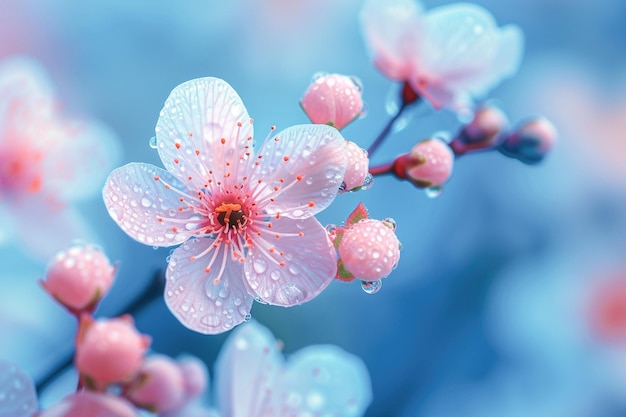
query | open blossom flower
(449,55)
(253,379)
(46,161)
(17,392)
(245,220)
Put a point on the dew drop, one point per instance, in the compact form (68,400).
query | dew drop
(290,294)
(259,266)
(433,192)
(146,202)
(247,317)
(371,287)
(275,275)
(368,182)
(390,223)
(153,142)
(342,188)
(318,75)
(357,83)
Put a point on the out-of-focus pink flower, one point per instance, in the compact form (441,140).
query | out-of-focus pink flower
(46,160)
(17,392)
(428,164)
(357,167)
(334,100)
(195,375)
(109,350)
(91,404)
(159,385)
(485,131)
(531,141)
(79,277)
(607,310)
(246,220)
(449,55)
(369,249)
(253,379)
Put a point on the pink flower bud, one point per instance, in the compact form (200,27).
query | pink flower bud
(358,165)
(91,404)
(159,386)
(79,277)
(531,141)
(195,374)
(334,100)
(109,350)
(483,132)
(370,249)
(429,163)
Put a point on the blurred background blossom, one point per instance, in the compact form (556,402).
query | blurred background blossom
(486,309)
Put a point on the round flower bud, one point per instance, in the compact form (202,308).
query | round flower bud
(334,100)
(358,165)
(91,404)
(78,277)
(369,249)
(483,132)
(531,141)
(429,163)
(195,374)
(159,386)
(109,350)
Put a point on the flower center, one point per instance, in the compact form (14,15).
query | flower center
(230,215)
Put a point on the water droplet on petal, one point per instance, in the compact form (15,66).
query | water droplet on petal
(291,294)
(153,142)
(318,75)
(357,83)
(247,317)
(342,188)
(368,182)
(259,266)
(433,192)
(391,223)
(371,287)
(146,202)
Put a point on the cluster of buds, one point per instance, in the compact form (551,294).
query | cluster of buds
(115,376)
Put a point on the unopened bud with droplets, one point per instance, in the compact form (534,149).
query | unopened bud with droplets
(428,164)
(357,168)
(334,100)
(370,249)
(483,132)
(531,141)
(109,350)
(79,277)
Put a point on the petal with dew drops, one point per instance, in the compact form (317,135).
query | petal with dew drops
(325,380)
(246,370)
(18,397)
(301,169)
(203,126)
(392,29)
(145,202)
(291,262)
(206,302)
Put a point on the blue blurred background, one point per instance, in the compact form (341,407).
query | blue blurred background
(491,309)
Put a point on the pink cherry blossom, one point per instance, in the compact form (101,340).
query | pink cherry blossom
(245,220)
(109,350)
(450,55)
(357,166)
(91,404)
(47,161)
(79,277)
(253,378)
(429,163)
(333,99)
(369,249)
(18,397)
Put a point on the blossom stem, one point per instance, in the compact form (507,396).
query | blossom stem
(408,96)
(151,292)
